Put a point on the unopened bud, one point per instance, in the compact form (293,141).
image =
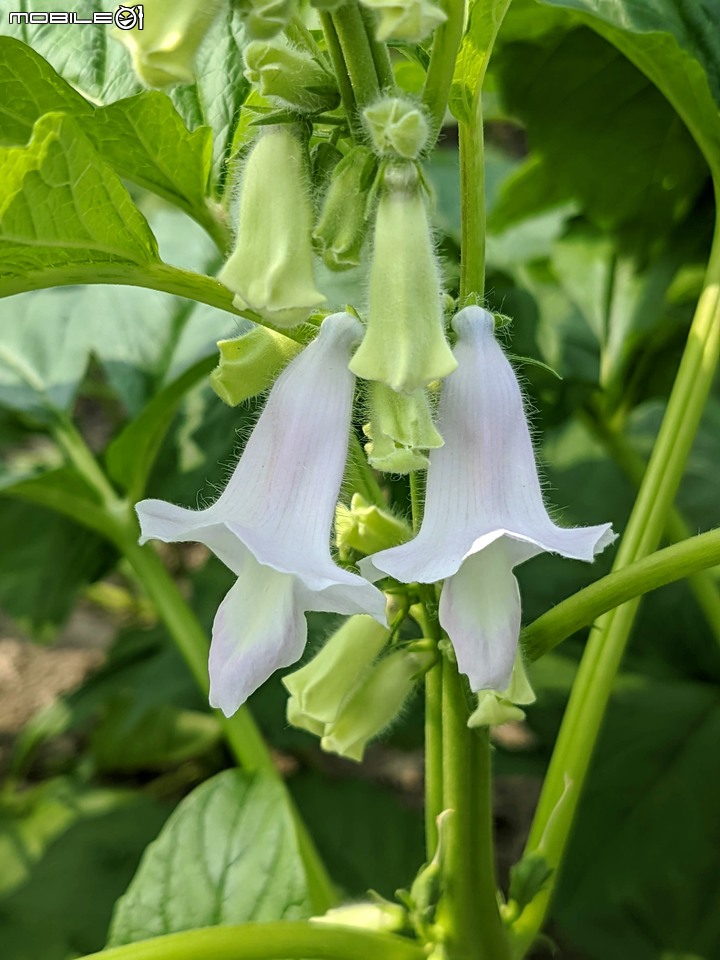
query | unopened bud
(375,703)
(365,528)
(320,688)
(284,73)
(397,127)
(271,267)
(382,917)
(340,232)
(265,19)
(404,346)
(495,707)
(163,52)
(401,430)
(250,364)
(408,20)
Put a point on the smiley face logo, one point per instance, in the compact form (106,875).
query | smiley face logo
(127,18)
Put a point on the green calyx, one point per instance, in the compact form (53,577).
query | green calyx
(366,528)
(250,364)
(397,127)
(340,232)
(495,707)
(289,75)
(400,431)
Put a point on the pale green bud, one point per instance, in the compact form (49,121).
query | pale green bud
(265,19)
(381,917)
(401,429)
(250,364)
(495,707)
(365,528)
(404,346)
(271,267)
(409,20)
(163,52)
(290,75)
(397,127)
(340,232)
(320,688)
(375,703)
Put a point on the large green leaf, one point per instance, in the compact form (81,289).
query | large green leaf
(606,139)
(228,854)
(97,65)
(143,137)
(67,852)
(62,209)
(676,43)
(643,871)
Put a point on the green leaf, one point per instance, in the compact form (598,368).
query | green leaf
(484,22)
(677,45)
(641,876)
(45,561)
(132,454)
(67,852)
(609,140)
(227,854)
(143,138)
(63,208)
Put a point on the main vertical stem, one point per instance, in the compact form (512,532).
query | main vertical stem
(601,660)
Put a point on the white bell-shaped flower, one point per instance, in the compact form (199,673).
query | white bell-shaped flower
(484,510)
(271,525)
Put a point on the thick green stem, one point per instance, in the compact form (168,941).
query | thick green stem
(341,72)
(284,940)
(702,584)
(681,560)
(355,45)
(380,54)
(434,804)
(441,68)
(601,660)
(472,185)
(468,910)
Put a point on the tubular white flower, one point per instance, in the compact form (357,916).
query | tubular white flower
(484,511)
(271,525)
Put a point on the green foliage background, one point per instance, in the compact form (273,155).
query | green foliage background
(602,131)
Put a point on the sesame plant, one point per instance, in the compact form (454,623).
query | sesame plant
(408,313)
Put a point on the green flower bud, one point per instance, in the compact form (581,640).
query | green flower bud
(375,703)
(340,232)
(264,19)
(271,267)
(367,529)
(409,20)
(397,127)
(500,706)
(163,52)
(404,346)
(249,364)
(290,75)
(401,429)
(319,689)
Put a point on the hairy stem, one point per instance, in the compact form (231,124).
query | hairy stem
(601,660)
(681,560)
(445,46)
(357,53)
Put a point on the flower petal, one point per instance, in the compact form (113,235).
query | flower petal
(259,628)
(480,611)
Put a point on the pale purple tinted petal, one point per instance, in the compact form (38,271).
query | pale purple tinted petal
(281,498)
(259,627)
(164,521)
(480,611)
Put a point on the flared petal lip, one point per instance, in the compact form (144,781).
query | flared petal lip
(440,566)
